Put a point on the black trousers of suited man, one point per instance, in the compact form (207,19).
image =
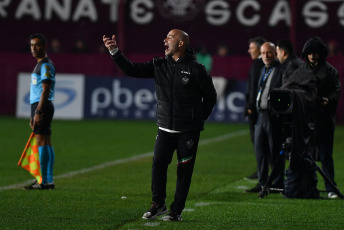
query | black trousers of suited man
(186,144)
(267,148)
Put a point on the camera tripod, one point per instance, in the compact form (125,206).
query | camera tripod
(286,146)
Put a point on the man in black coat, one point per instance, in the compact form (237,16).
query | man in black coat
(287,57)
(185,98)
(252,84)
(267,142)
(328,88)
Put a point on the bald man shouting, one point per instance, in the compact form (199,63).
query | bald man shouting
(185,97)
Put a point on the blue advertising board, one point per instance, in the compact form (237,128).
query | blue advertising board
(122,98)
(129,98)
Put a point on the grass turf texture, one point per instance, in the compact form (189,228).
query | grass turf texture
(115,197)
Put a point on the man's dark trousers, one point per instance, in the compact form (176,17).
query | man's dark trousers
(186,144)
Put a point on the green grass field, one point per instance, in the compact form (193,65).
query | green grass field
(103,173)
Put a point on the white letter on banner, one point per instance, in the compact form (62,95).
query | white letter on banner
(217,12)
(230,102)
(241,9)
(96,104)
(220,104)
(113,9)
(85,8)
(28,7)
(315,19)
(62,10)
(219,112)
(340,14)
(139,14)
(142,96)
(281,12)
(3,4)
(117,92)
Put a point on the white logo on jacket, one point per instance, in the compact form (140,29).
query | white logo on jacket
(185,80)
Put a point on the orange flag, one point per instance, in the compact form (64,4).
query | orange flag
(30,158)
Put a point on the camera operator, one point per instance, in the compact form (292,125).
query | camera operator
(267,142)
(328,88)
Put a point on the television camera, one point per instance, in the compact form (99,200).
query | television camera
(294,114)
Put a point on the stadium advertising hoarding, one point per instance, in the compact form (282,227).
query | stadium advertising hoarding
(236,21)
(122,98)
(128,98)
(68,101)
(78,97)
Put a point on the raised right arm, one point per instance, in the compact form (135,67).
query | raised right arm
(138,70)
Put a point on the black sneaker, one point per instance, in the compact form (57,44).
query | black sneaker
(256,189)
(172,216)
(154,211)
(36,186)
(51,185)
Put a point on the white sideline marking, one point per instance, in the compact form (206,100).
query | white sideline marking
(129,159)
(223,137)
(188,209)
(242,187)
(152,224)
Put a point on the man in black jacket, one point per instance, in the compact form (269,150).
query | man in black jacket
(328,87)
(252,84)
(287,57)
(185,99)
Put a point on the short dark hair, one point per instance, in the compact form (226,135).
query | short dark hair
(287,46)
(40,36)
(259,41)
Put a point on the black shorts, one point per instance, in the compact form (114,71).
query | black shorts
(48,113)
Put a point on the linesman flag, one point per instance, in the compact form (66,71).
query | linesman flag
(29,160)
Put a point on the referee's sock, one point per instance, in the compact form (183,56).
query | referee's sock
(43,160)
(51,164)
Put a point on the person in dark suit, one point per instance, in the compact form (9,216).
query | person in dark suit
(252,84)
(267,143)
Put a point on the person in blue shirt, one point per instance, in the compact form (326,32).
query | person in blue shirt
(42,109)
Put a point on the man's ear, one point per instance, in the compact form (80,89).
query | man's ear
(181,43)
(285,53)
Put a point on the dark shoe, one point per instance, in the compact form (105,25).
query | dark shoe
(36,186)
(254,176)
(51,185)
(172,216)
(154,211)
(256,189)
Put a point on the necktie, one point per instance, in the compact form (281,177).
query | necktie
(262,84)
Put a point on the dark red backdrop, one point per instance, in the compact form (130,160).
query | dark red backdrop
(141,26)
